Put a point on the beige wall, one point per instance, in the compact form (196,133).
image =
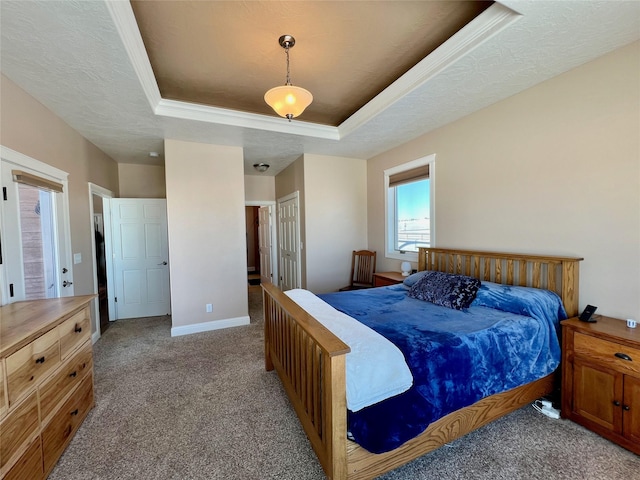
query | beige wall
(554,170)
(206,217)
(141,181)
(336,218)
(30,128)
(259,188)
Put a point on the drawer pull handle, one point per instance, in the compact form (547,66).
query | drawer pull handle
(77,329)
(624,356)
(73,374)
(75,412)
(616,403)
(40,360)
(626,407)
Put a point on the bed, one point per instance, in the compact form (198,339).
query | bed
(311,362)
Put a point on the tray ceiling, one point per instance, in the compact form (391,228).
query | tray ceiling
(226,53)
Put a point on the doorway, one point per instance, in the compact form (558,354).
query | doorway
(99,208)
(253,242)
(260,242)
(101,264)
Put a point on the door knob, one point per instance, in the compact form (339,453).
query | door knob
(163,263)
(66,284)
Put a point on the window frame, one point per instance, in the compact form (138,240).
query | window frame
(390,210)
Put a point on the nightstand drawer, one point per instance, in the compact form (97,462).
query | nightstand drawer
(383,279)
(623,357)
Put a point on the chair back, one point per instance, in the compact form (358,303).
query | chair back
(363,266)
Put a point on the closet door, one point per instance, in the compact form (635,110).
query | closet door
(289,242)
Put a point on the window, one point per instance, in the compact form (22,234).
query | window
(409,214)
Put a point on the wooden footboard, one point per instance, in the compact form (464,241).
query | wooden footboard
(310,361)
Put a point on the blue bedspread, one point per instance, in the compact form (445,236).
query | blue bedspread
(456,357)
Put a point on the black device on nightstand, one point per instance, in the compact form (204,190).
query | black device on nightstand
(587,314)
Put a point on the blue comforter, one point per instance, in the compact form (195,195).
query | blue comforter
(505,339)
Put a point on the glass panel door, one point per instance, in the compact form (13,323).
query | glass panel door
(34,232)
(39,252)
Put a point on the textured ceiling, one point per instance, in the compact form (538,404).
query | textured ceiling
(86,61)
(226,53)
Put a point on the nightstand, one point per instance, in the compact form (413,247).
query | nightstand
(382,279)
(601,378)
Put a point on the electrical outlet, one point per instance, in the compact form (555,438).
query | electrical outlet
(209,308)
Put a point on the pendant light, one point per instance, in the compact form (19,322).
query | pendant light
(288,101)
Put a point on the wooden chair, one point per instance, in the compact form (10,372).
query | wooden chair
(363,266)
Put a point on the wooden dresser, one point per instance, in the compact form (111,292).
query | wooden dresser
(46,382)
(601,378)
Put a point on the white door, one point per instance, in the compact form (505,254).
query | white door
(264,244)
(289,242)
(35,258)
(140,257)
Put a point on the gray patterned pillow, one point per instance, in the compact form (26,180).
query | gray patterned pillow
(446,289)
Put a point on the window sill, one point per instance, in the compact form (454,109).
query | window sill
(405,257)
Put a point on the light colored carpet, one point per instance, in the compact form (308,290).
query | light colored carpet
(203,407)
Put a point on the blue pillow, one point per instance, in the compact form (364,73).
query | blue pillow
(446,289)
(411,280)
(533,302)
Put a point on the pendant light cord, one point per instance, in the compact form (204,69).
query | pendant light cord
(288,82)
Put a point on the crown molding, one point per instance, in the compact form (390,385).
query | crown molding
(125,22)
(235,118)
(475,33)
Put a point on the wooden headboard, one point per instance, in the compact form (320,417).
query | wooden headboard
(558,274)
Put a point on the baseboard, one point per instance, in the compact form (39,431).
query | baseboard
(208,326)
(95,336)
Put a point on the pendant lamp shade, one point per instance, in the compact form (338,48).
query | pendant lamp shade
(288,101)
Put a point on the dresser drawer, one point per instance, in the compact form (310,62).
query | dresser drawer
(57,434)
(31,363)
(30,463)
(18,429)
(74,332)
(4,403)
(68,377)
(605,351)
